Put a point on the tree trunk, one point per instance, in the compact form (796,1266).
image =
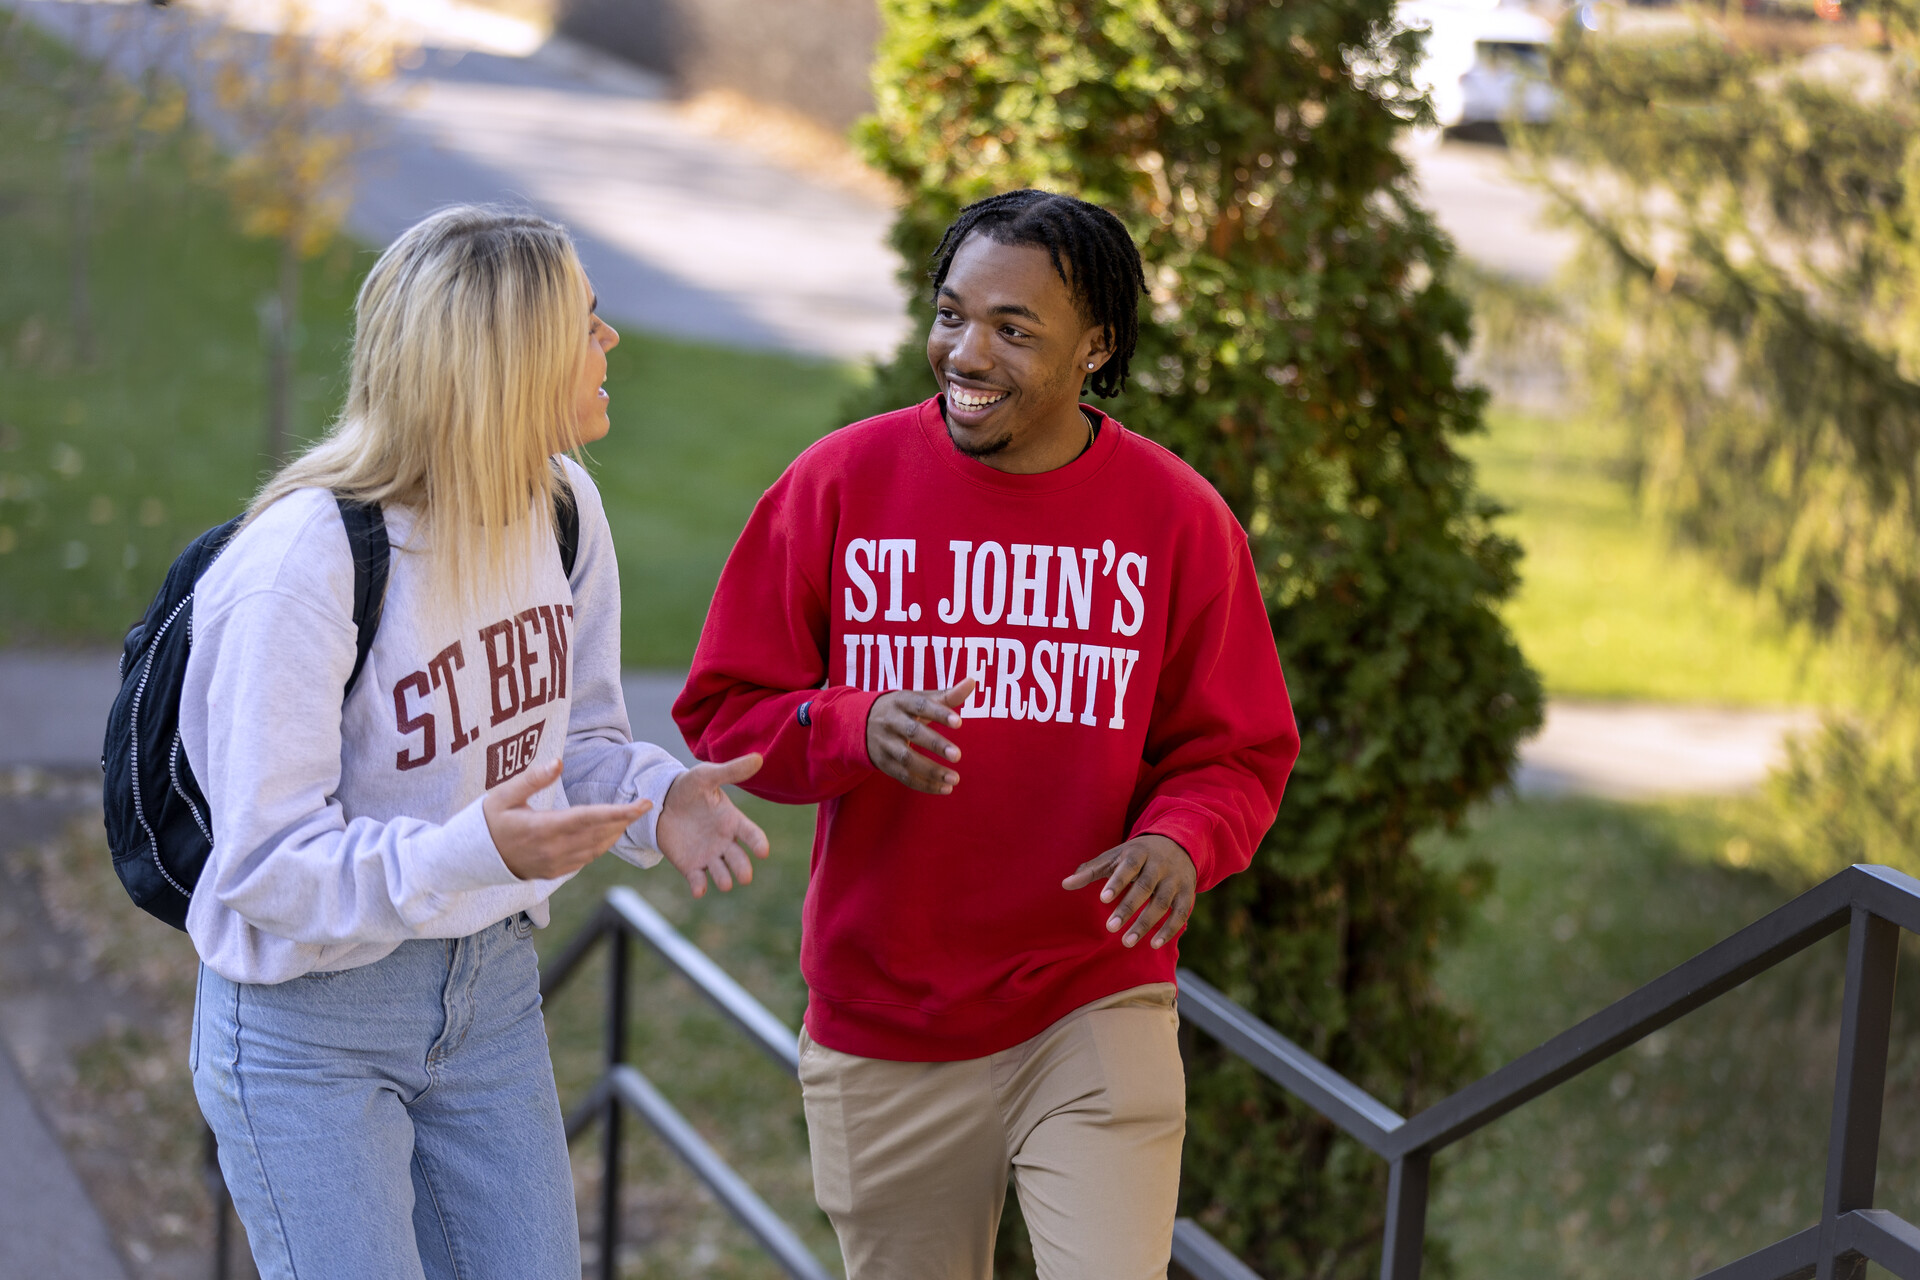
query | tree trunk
(281,316)
(85,90)
(80,160)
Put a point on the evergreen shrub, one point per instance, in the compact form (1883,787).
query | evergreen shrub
(1300,348)
(1746,193)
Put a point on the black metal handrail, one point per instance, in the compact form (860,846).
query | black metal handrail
(623,917)
(1874,903)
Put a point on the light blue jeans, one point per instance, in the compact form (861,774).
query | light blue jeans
(393,1122)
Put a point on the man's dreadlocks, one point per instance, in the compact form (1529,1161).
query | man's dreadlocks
(1091,252)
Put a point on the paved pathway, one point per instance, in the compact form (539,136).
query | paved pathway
(682,232)
(49,1229)
(1495,219)
(53,705)
(1640,751)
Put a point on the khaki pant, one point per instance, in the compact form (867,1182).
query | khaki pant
(910,1159)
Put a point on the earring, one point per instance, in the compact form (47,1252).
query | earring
(1089,364)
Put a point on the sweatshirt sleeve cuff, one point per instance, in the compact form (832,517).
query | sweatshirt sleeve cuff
(640,845)
(838,718)
(464,858)
(1190,828)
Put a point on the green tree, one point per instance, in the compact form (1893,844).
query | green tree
(110,92)
(1300,348)
(1750,215)
(291,102)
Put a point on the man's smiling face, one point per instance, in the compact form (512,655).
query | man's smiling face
(1010,350)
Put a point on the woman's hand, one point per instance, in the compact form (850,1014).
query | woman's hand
(543,844)
(703,834)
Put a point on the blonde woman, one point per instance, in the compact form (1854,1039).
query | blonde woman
(368,1043)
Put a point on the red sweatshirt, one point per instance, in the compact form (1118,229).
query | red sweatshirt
(1127,684)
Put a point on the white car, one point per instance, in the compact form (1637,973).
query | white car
(1485,63)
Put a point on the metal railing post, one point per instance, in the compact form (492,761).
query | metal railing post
(625,920)
(1407,1182)
(617,954)
(1859,1086)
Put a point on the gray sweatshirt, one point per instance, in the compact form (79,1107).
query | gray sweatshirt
(341,831)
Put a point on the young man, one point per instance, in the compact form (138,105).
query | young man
(1005,573)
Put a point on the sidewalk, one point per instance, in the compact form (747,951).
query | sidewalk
(683,232)
(49,1229)
(1638,751)
(53,708)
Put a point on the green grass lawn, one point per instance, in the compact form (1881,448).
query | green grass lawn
(108,467)
(1609,608)
(1704,1142)
(699,432)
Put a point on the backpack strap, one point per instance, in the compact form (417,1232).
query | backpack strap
(366,528)
(566,520)
(367,540)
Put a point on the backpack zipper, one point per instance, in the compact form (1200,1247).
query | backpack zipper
(173,771)
(133,749)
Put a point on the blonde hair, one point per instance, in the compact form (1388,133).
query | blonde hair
(467,349)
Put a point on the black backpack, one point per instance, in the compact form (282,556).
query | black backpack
(158,826)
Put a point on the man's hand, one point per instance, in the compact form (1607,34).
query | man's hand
(1162,881)
(541,844)
(701,832)
(901,721)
